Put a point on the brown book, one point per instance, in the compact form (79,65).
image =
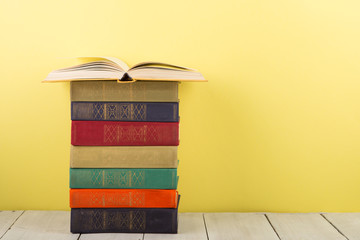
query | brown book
(123,157)
(139,91)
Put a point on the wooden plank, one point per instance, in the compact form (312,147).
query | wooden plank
(191,227)
(41,225)
(111,236)
(7,218)
(300,226)
(347,223)
(237,226)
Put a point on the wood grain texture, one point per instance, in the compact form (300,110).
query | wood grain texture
(191,227)
(301,226)
(7,218)
(41,225)
(111,236)
(347,223)
(55,225)
(249,226)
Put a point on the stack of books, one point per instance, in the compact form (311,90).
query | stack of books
(123,162)
(124,138)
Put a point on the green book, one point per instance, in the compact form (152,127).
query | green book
(135,178)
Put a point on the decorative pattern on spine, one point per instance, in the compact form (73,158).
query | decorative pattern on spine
(123,157)
(100,220)
(125,220)
(113,133)
(125,111)
(151,178)
(124,198)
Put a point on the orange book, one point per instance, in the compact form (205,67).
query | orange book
(123,198)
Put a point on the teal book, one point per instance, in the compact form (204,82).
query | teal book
(133,178)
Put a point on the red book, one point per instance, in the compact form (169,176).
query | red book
(114,133)
(123,198)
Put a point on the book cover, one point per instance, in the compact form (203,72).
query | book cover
(123,198)
(124,220)
(139,91)
(125,111)
(123,157)
(115,133)
(132,178)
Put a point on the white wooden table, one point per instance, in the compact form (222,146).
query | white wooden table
(54,225)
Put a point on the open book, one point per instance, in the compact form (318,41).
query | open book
(109,68)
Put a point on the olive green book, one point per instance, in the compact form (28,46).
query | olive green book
(123,157)
(139,91)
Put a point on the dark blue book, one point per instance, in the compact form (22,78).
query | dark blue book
(124,220)
(125,111)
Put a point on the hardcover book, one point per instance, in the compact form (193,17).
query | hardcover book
(125,111)
(123,198)
(132,178)
(115,133)
(124,220)
(123,157)
(110,68)
(112,91)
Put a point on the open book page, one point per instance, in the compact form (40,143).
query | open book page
(168,74)
(87,71)
(164,71)
(83,75)
(98,65)
(113,60)
(160,65)
(109,68)
(93,68)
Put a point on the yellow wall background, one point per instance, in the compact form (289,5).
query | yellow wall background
(276,128)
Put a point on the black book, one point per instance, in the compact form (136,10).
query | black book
(124,220)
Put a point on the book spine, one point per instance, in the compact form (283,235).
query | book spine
(122,198)
(123,157)
(112,133)
(139,91)
(125,111)
(132,178)
(124,220)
